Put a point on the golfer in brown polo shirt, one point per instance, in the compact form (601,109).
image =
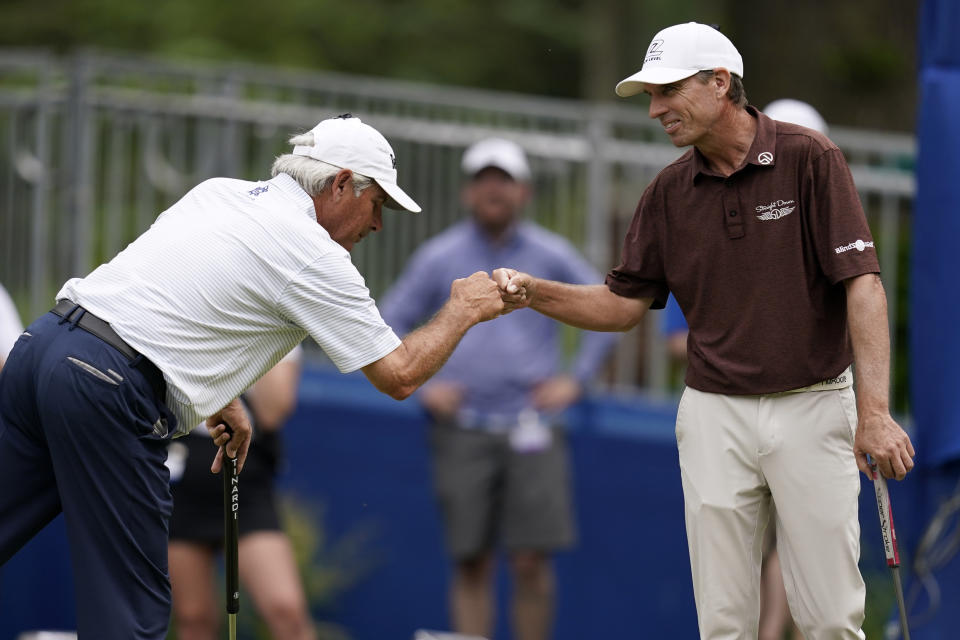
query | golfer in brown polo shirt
(760,235)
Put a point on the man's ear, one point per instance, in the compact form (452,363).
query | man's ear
(341,183)
(721,79)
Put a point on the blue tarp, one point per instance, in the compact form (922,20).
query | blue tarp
(935,295)
(929,539)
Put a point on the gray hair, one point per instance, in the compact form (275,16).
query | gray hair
(313,175)
(736,93)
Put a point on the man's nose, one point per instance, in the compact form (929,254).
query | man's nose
(657,108)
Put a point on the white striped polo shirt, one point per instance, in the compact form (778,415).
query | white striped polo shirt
(225,283)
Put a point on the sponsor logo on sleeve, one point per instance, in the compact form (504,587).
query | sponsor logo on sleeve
(858,244)
(775,210)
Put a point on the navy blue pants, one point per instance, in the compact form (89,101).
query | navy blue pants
(83,430)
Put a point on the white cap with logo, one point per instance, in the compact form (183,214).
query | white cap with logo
(680,51)
(347,143)
(505,155)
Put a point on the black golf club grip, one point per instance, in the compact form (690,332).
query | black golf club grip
(231,506)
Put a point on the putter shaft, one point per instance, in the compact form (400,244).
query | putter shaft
(901,605)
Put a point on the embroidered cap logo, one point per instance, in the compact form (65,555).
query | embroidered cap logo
(655,51)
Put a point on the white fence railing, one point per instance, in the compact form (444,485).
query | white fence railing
(93,147)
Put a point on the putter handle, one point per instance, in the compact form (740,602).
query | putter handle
(231,506)
(886,517)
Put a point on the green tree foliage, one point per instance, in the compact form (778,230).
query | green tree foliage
(854,60)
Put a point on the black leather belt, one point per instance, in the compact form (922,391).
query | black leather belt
(92,324)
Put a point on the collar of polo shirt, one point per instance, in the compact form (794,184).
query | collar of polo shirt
(348,143)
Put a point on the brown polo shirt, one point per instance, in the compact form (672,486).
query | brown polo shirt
(756,260)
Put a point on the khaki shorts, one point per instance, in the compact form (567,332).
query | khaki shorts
(489,494)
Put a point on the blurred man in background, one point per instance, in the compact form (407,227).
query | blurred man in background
(268,569)
(775,615)
(10,327)
(500,464)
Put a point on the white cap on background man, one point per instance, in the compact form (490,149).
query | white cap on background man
(797,112)
(680,51)
(347,143)
(503,154)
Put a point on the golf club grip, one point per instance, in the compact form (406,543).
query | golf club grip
(886,518)
(231,505)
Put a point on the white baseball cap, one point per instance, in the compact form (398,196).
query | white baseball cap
(797,112)
(505,155)
(347,143)
(680,51)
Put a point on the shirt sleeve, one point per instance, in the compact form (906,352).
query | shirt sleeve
(330,301)
(640,273)
(844,244)
(295,355)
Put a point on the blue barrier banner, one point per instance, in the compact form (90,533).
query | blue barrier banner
(937,44)
(935,299)
(928,537)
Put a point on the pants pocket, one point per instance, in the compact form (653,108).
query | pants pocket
(113,380)
(848,405)
(681,416)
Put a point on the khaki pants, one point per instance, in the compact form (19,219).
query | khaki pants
(736,454)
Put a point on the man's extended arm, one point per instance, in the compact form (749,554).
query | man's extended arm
(586,306)
(422,353)
(877,433)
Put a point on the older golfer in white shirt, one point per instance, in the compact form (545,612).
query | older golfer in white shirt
(170,331)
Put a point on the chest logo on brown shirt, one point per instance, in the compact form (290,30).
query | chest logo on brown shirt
(775,210)
(765,157)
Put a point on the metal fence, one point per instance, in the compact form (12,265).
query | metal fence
(94,146)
